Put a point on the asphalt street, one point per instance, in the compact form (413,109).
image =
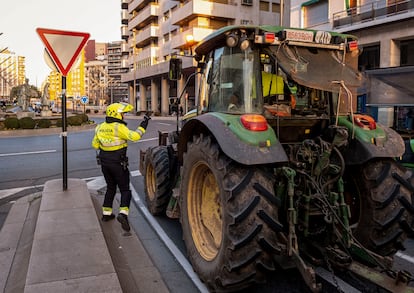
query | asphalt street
(160,236)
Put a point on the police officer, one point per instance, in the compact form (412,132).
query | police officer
(111,139)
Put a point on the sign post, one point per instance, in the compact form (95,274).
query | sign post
(63,48)
(84,100)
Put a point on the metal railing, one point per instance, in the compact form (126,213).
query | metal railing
(369,12)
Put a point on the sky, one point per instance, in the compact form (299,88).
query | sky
(19,20)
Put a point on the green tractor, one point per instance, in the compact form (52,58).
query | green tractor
(274,166)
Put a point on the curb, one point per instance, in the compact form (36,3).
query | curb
(44,131)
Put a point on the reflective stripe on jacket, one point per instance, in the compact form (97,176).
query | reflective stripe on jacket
(114,136)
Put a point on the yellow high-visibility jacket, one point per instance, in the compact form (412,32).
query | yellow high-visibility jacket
(114,136)
(272,84)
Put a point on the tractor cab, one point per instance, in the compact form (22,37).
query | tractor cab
(251,72)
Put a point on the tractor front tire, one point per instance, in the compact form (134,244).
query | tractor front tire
(158,181)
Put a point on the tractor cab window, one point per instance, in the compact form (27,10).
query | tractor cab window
(321,72)
(277,88)
(231,81)
(284,96)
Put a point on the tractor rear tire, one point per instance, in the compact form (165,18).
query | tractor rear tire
(385,205)
(158,181)
(229,218)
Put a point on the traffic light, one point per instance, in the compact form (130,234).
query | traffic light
(175,68)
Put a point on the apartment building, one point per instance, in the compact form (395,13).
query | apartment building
(385,29)
(104,67)
(96,81)
(117,91)
(153,31)
(12,73)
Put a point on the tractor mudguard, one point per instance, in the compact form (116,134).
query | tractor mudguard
(361,150)
(232,145)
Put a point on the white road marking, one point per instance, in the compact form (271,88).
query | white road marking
(96,183)
(7,192)
(27,153)
(135,173)
(407,258)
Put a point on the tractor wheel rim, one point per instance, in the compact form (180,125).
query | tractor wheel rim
(204,211)
(150,178)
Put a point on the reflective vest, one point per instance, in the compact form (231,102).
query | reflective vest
(272,84)
(114,136)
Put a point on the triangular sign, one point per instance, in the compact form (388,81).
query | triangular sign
(63,46)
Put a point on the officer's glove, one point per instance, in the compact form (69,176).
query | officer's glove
(144,123)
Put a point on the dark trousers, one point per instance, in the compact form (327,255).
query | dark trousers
(116,175)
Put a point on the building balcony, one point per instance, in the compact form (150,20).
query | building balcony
(128,76)
(144,17)
(124,48)
(124,63)
(124,16)
(166,27)
(131,42)
(375,11)
(124,4)
(149,72)
(179,41)
(145,36)
(147,53)
(130,60)
(193,9)
(137,5)
(124,32)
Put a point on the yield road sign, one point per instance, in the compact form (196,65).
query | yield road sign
(63,47)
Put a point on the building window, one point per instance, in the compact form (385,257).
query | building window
(315,12)
(247,2)
(264,6)
(370,58)
(407,52)
(275,8)
(166,37)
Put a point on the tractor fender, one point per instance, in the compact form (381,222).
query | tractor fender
(229,142)
(360,151)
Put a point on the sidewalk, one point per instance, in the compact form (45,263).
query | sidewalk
(53,242)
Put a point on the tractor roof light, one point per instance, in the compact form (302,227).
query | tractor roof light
(232,40)
(244,43)
(254,122)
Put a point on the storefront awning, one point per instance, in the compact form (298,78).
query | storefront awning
(390,86)
(310,2)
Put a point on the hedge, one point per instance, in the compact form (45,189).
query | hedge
(74,120)
(44,123)
(11,123)
(27,123)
